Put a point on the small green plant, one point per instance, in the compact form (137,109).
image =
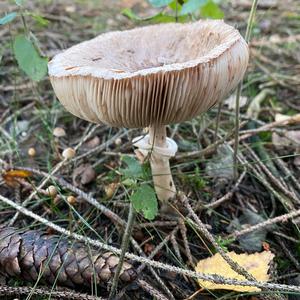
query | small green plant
(143,197)
(195,179)
(179,10)
(224,243)
(25,46)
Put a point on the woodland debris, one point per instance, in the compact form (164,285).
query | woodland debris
(253,240)
(84,174)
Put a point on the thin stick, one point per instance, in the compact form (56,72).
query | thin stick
(175,247)
(282,218)
(87,197)
(217,121)
(151,290)
(111,215)
(206,233)
(55,170)
(227,196)
(154,273)
(273,178)
(244,135)
(124,247)
(238,95)
(233,264)
(156,264)
(24,290)
(183,232)
(288,253)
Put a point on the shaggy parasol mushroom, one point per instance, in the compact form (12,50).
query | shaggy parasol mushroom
(151,77)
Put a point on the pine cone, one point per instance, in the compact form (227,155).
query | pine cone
(30,254)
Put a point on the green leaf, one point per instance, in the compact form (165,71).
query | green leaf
(129,13)
(211,10)
(144,200)
(129,182)
(29,59)
(173,5)
(160,3)
(133,170)
(162,18)
(192,6)
(20,2)
(8,18)
(40,19)
(158,18)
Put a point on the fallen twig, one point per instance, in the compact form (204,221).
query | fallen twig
(54,170)
(279,219)
(155,264)
(6,291)
(226,197)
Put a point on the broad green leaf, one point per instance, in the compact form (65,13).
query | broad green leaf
(133,170)
(192,6)
(211,10)
(29,59)
(8,18)
(160,3)
(144,200)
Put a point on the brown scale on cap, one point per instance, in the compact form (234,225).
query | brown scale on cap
(28,254)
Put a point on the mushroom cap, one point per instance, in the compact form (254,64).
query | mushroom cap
(152,75)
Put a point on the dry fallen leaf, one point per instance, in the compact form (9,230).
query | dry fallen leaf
(254,107)
(84,174)
(12,177)
(291,138)
(281,117)
(256,264)
(285,119)
(231,101)
(93,143)
(297,161)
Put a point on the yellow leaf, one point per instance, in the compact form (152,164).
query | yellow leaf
(11,177)
(256,264)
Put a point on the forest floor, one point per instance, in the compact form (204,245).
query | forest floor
(268,185)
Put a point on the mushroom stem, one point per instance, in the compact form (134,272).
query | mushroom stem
(160,165)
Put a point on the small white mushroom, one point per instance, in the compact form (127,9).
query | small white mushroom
(59,132)
(51,191)
(68,153)
(31,152)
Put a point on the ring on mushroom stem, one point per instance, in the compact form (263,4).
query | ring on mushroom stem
(160,149)
(166,74)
